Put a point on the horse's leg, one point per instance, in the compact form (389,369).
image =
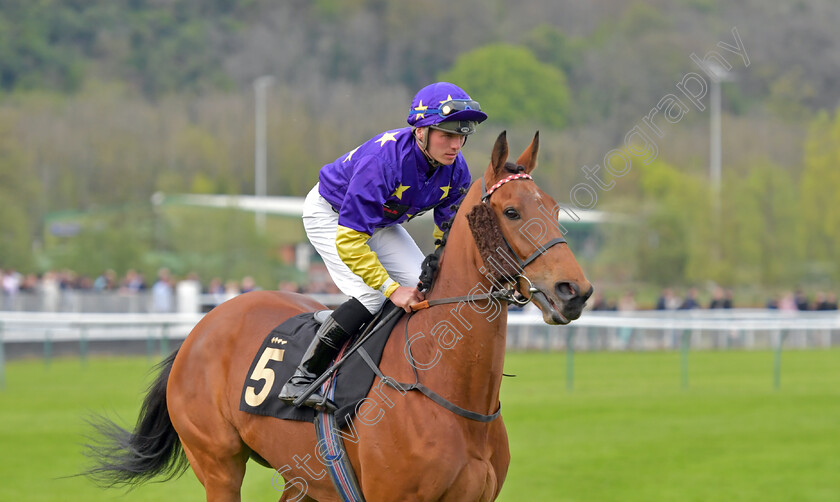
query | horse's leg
(205,385)
(217,457)
(194,464)
(212,444)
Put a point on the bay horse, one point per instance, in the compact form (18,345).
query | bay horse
(416,449)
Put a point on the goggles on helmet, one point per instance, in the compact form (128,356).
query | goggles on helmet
(462,127)
(449,107)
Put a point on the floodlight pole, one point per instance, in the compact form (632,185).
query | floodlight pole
(714,147)
(720,75)
(260,87)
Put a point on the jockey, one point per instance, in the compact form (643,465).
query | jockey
(353,214)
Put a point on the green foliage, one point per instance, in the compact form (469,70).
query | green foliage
(552,46)
(337,9)
(702,6)
(789,93)
(51,44)
(640,19)
(820,194)
(218,243)
(183,48)
(39,45)
(667,240)
(15,236)
(115,239)
(664,251)
(755,239)
(104,102)
(512,85)
(679,240)
(676,248)
(762,227)
(18,204)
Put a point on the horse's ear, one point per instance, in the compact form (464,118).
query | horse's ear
(499,155)
(529,156)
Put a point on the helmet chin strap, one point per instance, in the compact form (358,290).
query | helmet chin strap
(424,144)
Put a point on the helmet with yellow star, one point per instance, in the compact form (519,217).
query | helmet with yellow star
(445,107)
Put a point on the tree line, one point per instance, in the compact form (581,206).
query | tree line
(103,103)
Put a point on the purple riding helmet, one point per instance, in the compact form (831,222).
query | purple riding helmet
(445,107)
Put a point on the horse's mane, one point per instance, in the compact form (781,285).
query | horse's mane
(489,240)
(431,264)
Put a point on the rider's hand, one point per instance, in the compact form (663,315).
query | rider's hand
(405,297)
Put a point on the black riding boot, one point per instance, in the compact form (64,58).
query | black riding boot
(332,335)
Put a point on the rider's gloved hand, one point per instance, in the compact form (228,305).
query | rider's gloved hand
(406,296)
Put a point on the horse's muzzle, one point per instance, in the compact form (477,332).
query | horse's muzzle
(573,300)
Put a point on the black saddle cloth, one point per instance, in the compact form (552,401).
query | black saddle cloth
(280,354)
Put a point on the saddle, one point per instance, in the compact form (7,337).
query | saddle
(281,351)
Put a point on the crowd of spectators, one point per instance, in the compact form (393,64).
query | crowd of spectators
(720,298)
(797,300)
(50,285)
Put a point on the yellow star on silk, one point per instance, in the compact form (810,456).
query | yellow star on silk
(421,108)
(350,155)
(399,191)
(448,98)
(388,136)
(445,192)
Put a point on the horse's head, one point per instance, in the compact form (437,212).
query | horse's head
(517,234)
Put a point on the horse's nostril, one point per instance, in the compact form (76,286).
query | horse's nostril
(566,290)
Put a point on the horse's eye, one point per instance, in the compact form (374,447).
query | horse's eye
(511,214)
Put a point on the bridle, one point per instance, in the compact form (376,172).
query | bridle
(513,295)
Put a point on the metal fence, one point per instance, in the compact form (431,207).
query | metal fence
(118,302)
(643,330)
(78,301)
(47,334)
(668,330)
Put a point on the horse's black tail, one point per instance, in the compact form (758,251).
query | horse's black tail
(123,458)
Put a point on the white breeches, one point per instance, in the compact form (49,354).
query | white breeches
(393,245)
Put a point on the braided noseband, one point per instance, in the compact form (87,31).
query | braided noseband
(488,193)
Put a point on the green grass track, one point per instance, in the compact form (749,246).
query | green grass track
(627,431)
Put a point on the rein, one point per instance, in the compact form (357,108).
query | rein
(506,295)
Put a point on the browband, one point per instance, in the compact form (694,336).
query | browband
(488,193)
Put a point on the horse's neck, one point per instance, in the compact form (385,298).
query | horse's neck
(470,335)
